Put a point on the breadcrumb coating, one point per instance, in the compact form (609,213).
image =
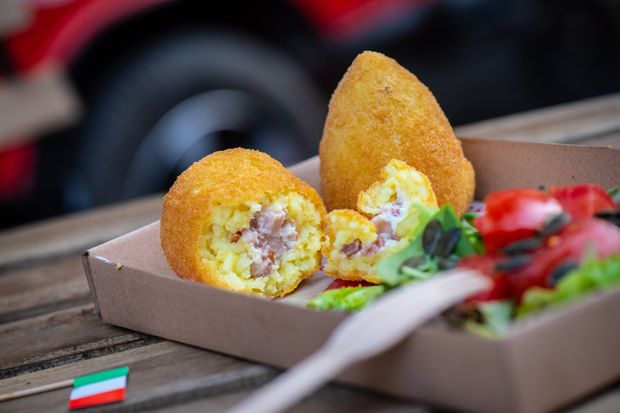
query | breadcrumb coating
(381,111)
(211,210)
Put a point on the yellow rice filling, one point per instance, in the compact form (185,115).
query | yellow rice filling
(232,260)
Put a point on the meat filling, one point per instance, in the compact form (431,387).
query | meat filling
(270,235)
(385,224)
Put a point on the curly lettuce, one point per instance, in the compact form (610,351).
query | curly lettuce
(591,276)
(347,299)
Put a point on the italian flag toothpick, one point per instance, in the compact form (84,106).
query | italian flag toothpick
(99,388)
(91,390)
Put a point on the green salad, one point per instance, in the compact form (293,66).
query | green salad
(540,250)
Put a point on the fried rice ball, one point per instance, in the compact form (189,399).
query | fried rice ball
(381,111)
(237,219)
(387,220)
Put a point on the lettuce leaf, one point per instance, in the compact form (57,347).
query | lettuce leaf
(471,232)
(346,299)
(496,319)
(390,269)
(592,275)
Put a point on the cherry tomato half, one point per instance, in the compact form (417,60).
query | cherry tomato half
(500,289)
(514,214)
(345,283)
(574,243)
(583,201)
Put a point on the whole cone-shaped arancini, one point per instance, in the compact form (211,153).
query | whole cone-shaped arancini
(239,220)
(381,111)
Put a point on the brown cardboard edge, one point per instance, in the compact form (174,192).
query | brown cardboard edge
(89,278)
(548,164)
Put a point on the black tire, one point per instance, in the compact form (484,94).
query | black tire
(135,96)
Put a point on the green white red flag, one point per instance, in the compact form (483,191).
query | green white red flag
(99,388)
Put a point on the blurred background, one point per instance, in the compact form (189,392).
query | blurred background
(106,100)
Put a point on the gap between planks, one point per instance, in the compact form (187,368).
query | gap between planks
(42,288)
(63,337)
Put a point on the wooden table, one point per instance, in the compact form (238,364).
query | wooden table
(49,330)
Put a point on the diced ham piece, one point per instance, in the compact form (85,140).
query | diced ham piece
(382,225)
(385,224)
(351,248)
(269,236)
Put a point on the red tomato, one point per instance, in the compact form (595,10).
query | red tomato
(513,215)
(500,289)
(345,283)
(583,201)
(571,244)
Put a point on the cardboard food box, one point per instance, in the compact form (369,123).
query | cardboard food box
(546,361)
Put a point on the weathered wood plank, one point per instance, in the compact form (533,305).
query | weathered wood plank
(611,140)
(332,398)
(76,232)
(42,288)
(567,123)
(60,338)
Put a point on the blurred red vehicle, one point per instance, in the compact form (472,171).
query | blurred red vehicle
(160,83)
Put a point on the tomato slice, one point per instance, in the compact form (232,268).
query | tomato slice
(574,243)
(514,214)
(583,201)
(346,283)
(500,288)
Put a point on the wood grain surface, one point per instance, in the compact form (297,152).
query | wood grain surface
(50,332)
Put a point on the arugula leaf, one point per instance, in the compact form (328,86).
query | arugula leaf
(471,232)
(449,219)
(590,276)
(391,270)
(346,299)
(422,271)
(614,193)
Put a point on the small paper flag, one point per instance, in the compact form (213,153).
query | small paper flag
(99,388)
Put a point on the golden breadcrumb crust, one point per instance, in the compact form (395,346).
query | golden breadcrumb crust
(223,178)
(381,111)
(345,226)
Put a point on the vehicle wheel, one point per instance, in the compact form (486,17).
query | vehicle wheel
(183,97)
